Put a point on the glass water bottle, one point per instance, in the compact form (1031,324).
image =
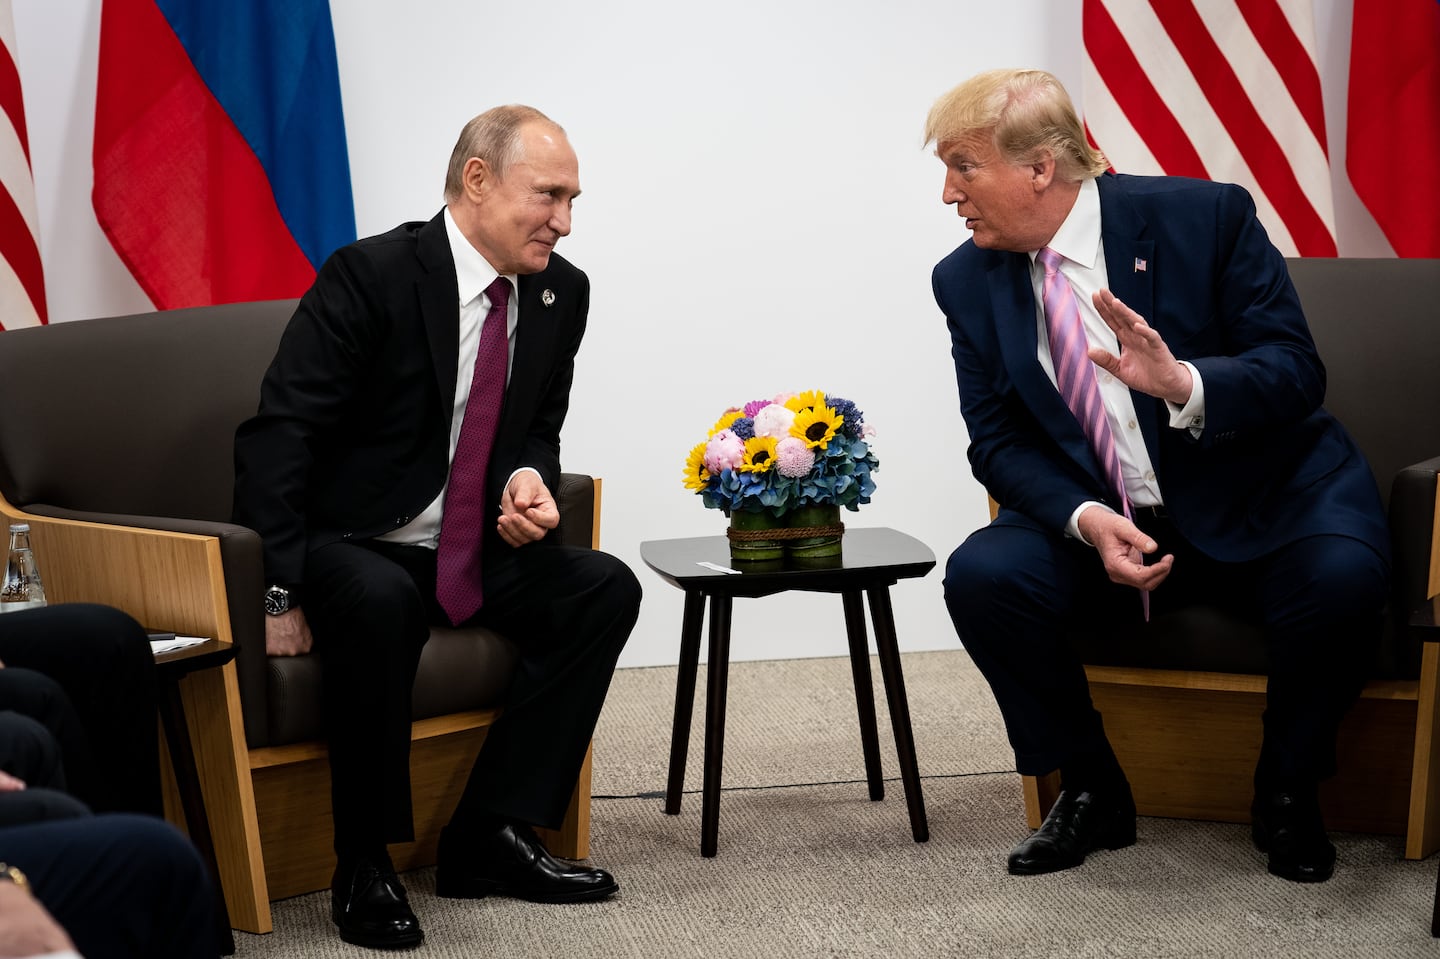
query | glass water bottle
(23,588)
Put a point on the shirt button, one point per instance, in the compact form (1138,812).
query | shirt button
(1106,378)
(1130,425)
(1150,476)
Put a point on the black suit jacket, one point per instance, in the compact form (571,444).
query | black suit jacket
(352,436)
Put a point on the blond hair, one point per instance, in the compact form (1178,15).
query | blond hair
(1028,113)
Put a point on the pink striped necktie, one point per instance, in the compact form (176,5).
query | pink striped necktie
(462,528)
(1075,377)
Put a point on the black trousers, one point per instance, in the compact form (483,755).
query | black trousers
(121,885)
(1017,595)
(370,605)
(96,695)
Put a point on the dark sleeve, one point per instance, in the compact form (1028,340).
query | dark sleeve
(542,441)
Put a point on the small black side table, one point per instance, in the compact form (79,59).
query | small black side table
(873,560)
(172,667)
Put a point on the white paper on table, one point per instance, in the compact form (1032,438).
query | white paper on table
(158,646)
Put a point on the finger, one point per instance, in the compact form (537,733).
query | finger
(1104,359)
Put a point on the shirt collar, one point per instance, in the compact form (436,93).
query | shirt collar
(473,273)
(1078,239)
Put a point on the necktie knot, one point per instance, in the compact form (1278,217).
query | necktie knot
(1049,260)
(499,293)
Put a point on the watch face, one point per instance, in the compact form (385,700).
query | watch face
(277,600)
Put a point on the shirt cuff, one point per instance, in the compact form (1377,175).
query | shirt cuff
(523,469)
(1191,416)
(1072,527)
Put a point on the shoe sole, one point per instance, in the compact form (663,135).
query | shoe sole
(377,942)
(479,889)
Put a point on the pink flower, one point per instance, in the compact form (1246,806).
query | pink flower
(755,406)
(725,451)
(783,398)
(793,458)
(774,420)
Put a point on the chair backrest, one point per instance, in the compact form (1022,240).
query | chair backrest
(1377,328)
(133,414)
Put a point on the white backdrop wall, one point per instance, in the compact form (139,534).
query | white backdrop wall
(758,216)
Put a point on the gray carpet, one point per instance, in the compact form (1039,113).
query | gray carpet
(808,866)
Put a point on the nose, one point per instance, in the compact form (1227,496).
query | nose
(560,221)
(952,192)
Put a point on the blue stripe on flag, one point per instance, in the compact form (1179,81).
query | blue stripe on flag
(271,65)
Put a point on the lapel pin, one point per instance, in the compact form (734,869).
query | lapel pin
(1139,265)
(548,297)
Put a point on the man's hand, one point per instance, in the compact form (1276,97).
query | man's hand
(9,783)
(287,634)
(527,510)
(1120,544)
(26,929)
(1145,363)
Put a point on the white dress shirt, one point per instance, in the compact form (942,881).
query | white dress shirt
(1078,242)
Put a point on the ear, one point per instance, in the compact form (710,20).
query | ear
(477,179)
(1042,172)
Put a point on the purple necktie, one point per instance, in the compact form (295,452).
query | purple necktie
(1075,377)
(457,571)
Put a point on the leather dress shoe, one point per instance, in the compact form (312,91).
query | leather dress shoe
(1078,823)
(1289,827)
(369,906)
(510,861)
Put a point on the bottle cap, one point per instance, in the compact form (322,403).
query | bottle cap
(19,527)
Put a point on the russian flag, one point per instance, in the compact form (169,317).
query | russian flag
(221,173)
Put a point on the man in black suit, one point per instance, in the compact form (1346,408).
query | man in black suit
(398,482)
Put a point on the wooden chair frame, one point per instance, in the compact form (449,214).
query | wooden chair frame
(269,808)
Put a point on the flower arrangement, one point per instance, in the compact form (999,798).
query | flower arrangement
(778,455)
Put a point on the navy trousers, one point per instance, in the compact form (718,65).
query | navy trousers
(1017,595)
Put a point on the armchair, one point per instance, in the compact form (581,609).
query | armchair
(1182,696)
(119,452)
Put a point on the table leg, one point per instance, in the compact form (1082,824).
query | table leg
(864,692)
(883,617)
(187,780)
(684,698)
(719,667)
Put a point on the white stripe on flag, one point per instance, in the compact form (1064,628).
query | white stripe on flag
(16,309)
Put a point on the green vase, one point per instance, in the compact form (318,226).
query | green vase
(760,549)
(824,545)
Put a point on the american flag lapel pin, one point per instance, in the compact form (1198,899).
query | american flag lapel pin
(1139,265)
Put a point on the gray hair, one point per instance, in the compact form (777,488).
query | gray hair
(1028,113)
(493,136)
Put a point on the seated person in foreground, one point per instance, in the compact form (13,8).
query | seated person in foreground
(400,476)
(1143,400)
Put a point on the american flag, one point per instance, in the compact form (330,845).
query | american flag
(22,282)
(1219,89)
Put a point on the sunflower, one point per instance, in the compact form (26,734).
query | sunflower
(759,454)
(809,400)
(816,426)
(723,423)
(696,475)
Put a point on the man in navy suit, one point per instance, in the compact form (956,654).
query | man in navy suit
(346,474)
(1230,483)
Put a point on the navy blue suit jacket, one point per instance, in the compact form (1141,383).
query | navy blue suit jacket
(1271,465)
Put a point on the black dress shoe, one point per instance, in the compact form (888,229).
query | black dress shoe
(368,904)
(1078,823)
(1289,827)
(510,861)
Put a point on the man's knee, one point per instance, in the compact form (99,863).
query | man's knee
(29,751)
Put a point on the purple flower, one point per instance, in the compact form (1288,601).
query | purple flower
(793,458)
(755,406)
(725,451)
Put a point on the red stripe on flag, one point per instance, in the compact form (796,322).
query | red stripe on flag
(17,248)
(1262,153)
(10,99)
(182,197)
(1297,71)
(1136,96)
(1393,111)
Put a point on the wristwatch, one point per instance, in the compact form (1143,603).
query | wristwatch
(12,874)
(279,600)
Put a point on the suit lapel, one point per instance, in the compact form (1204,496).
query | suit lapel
(439,297)
(1131,267)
